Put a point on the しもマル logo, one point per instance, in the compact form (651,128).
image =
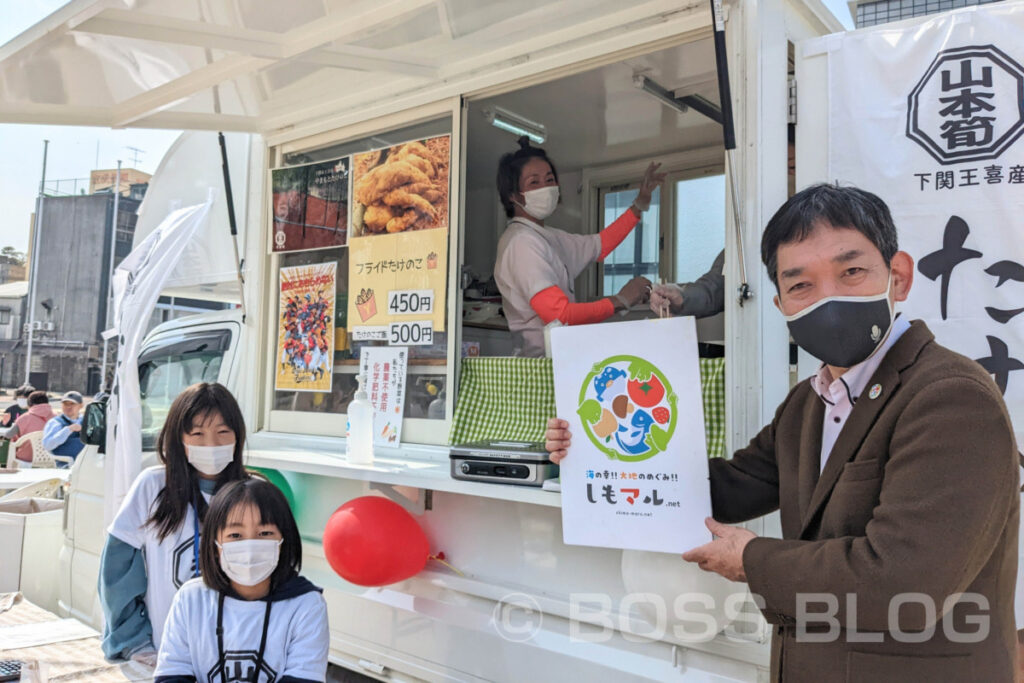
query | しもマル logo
(627,408)
(968,106)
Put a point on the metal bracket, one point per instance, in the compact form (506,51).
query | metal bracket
(791,104)
(678,654)
(744,292)
(415,500)
(683,104)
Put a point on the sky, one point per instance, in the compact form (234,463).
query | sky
(75,151)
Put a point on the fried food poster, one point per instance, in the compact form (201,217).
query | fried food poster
(399,238)
(305,332)
(637,473)
(310,206)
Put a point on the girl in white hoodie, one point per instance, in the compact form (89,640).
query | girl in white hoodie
(251,617)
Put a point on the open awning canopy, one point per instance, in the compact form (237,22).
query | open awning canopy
(271,67)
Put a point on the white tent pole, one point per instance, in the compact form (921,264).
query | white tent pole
(110,273)
(34,262)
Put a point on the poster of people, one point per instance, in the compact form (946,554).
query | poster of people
(305,335)
(310,206)
(638,475)
(398,251)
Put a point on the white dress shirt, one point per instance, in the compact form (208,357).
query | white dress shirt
(840,395)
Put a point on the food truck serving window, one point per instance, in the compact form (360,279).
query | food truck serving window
(361,235)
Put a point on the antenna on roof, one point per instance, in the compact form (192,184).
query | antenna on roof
(135,155)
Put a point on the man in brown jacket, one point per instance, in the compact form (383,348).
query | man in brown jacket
(894,469)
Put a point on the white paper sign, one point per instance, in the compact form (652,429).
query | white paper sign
(385,370)
(412,333)
(368,333)
(637,472)
(410,301)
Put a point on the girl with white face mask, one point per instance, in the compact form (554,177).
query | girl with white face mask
(153,544)
(536,264)
(251,617)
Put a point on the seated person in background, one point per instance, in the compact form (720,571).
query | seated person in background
(18,408)
(32,420)
(61,434)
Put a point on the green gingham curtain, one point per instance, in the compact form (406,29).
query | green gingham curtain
(512,398)
(712,391)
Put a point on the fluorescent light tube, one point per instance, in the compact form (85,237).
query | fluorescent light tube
(517,125)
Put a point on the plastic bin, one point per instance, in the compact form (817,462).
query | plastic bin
(31,535)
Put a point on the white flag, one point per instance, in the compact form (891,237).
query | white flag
(137,284)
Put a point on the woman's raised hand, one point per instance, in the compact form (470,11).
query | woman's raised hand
(650,181)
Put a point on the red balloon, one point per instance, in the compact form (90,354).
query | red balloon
(373,541)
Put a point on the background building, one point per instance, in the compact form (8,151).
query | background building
(12,314)
(72,286)
(11,272)
(103,180)
(72,280)
(884,11)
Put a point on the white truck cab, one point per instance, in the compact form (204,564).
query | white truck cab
(201,348)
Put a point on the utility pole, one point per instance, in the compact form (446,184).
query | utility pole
(33,278)
(110,274)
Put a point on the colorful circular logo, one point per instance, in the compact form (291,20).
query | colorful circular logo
(628,408)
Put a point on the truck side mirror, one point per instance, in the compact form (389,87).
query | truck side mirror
(94,423)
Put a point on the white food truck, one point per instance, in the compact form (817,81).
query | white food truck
(606,85)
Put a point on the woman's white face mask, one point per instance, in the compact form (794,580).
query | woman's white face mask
(250,561)
(542,202)
(22,402)
(210,460)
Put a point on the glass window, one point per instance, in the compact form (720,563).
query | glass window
(639,253)
(5,316)
(426,389)
(171,365)
(699,224)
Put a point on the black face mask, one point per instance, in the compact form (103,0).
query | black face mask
(842,331)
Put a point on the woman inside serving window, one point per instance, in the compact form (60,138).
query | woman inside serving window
(537,264)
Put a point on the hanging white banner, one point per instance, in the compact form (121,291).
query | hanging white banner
(137,283)
(930,117)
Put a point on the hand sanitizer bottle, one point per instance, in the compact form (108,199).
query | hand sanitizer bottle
(359,435)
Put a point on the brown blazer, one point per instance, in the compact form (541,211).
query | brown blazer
(919,495)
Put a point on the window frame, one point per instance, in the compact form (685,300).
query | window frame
(603,191)
(224,337)
(703,161)
(416,431)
